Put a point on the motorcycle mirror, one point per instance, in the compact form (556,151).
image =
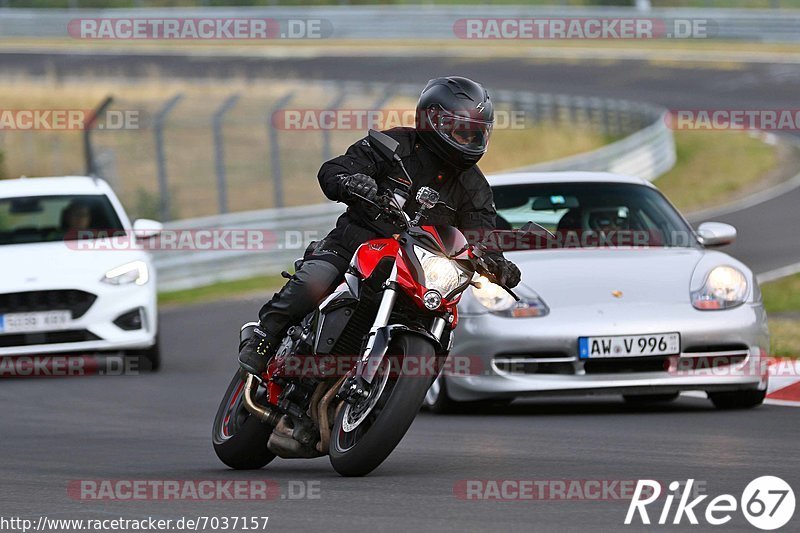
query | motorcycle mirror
(384,145)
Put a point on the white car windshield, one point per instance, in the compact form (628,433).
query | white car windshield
(586,215)
(32,219)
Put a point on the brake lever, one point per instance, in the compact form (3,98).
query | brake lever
(491,277)
(382,208)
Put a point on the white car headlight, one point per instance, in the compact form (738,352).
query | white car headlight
(496,300)
(133,272)
(441,274)
(725,287)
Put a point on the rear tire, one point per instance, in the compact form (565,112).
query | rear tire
(240,439)
(647,399)
(361,450)
(740,399)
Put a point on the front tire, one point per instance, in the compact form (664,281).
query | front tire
(240,439)
(740,399)
(368,441)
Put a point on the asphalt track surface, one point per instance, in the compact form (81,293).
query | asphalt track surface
(157,426)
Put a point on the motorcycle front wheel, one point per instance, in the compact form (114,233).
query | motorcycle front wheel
(366,432)
(240,439)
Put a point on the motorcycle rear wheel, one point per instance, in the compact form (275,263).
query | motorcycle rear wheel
(361,449)
(240,439)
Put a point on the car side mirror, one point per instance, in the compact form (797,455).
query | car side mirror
(713,234)
(384,145)
(144,228)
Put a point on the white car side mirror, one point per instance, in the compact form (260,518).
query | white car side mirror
(144,228)
(716,234)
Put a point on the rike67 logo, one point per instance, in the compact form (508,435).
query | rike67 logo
(767,503)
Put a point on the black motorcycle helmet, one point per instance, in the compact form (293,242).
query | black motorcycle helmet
(454,120)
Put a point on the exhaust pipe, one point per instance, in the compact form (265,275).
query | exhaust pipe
(262,412)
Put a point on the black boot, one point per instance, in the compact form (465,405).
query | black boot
(256,352)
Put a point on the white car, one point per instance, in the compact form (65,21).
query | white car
(64,289)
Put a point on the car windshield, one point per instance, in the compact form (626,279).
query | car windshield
(585,215)
(32,219)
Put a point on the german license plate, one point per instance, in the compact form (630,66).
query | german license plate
(629,345)
(40,321)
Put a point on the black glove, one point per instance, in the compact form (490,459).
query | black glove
(358,185)
(505,271)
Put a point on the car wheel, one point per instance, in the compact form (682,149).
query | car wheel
(438,401)
(644,399)
(740,399)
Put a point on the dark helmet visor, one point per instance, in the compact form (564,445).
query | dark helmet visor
(466,134)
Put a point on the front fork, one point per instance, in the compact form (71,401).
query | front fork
(358,384)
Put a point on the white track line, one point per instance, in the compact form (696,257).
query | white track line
(778,273)
(748,202)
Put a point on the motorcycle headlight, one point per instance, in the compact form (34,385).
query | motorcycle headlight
(133,272)
(497,301)
(441,274)
(725,287)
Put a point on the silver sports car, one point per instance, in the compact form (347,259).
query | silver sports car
(619,295)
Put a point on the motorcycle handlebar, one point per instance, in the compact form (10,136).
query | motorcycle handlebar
(482,267)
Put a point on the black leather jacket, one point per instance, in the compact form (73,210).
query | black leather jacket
(467,192)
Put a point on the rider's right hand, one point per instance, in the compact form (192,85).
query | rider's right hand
(356,185)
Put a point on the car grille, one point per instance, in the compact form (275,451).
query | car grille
(78,302)
(46,337)
(633,364)
(534,363)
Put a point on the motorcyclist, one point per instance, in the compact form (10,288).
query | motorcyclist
(454,118)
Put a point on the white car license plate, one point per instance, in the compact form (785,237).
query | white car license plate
(629,345)
(40,321)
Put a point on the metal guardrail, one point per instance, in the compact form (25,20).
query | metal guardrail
(420,21)
(647,150)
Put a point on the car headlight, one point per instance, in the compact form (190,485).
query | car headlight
(496,300)
(441,274)
(133,272)
(725,287)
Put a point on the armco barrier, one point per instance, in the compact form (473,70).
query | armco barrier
(420,21)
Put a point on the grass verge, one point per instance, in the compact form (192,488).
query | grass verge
(782,295)
(782,300)
(221,291)
(784,337)
(715,167)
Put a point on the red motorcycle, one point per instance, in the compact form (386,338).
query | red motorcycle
(390,322)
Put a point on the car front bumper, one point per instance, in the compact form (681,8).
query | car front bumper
(499,357)
(95,330)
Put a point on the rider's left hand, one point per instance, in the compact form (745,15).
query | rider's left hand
(505,271)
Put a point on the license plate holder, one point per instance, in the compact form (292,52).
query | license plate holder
(622,346)
(35,321)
